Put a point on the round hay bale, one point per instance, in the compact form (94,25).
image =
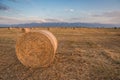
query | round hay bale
(9,28)
(36,49)
(25,30)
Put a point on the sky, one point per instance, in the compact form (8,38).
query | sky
(38,11)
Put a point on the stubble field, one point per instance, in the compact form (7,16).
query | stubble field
(82,54)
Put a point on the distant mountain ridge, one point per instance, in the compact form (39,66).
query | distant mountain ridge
(60,24)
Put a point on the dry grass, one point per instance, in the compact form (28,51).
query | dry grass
(83,54)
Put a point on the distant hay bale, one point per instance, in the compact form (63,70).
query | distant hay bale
(48,28)
(9,28)
(73,28)
(36,49)
(25,30)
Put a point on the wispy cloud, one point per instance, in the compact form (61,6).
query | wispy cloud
(112,17)
(18,0)
(106,17)
(108,14)
(69,10)
(53,20)
(89,19)
(13,0)
(9,20)
(4,7)
(30,19)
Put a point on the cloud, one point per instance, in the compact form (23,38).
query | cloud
(13,0)
(17,0)
(111,17)
(108,14)
(69,10)
(30,19)
(53,20)
(8,20)
(12,20)
(84,19)
(4,7)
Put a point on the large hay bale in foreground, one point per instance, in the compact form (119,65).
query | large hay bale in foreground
(36,49)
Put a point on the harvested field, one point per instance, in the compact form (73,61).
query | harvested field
(82,54)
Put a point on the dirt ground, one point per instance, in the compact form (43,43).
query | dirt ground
(82,54)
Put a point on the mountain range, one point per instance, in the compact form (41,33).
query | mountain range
(60,24)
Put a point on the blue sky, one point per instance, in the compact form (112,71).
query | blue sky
(90,11)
